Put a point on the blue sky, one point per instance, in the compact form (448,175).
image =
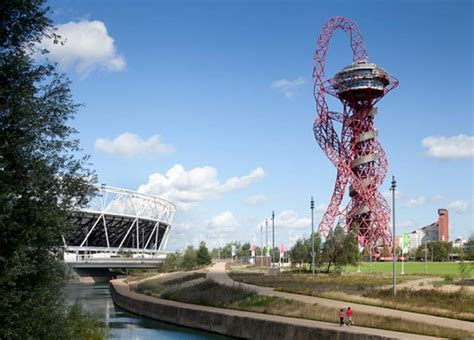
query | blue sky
(227,88)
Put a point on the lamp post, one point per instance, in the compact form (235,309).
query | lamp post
(312,235)
(261,245)
(394,253)
(273,239)
(266,238)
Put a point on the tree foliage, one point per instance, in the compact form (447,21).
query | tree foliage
(189,258)
(226,250)
(469,254)
(301,251)
(202,256)
(436,251)
(172,262)
(41,179)
(339,250)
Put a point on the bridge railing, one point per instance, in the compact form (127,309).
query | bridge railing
(73,258)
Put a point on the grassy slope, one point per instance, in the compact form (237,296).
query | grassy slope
(212,294)
(438,268)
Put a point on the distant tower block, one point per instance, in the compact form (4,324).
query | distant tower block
(443,225)
(355,152)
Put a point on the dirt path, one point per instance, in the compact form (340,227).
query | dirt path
(218,274)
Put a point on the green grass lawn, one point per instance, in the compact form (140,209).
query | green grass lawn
(434,268)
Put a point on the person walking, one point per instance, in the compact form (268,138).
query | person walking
(341,317)
(349,316)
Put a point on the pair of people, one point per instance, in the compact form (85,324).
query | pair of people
(347,314)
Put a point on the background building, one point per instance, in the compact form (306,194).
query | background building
(436,231)
(443,225)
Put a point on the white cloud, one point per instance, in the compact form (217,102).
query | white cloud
(288,219)
(86,46)
(288,87)
(184,227)
(456,147)
(186,188)
(321,207)
(237,183)
(420,200)
(130,145)
(256,200)
(405,224)
(459,206)
(415,201)
(224,222)
(388,195)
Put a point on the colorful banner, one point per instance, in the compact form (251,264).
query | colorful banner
(282,250)
(254,248)
(360,244)
(406,240)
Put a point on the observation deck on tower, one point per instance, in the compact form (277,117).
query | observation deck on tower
(360,81)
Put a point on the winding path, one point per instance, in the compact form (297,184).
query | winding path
(218,274)
(135,302)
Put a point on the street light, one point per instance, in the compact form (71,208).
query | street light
(312,234)
(394,254)
(273,239)
(266,238)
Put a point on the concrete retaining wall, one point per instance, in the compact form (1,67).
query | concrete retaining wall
(229,322)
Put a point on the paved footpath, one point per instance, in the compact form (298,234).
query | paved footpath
(218,274)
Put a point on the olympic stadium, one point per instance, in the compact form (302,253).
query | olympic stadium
(119,228)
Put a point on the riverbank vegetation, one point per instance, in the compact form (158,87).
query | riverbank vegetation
(41,181)
(210,293)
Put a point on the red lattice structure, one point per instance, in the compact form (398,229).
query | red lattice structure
(359,158)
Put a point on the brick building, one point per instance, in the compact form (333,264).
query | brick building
(436,231)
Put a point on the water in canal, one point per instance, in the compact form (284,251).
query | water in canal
(124,325)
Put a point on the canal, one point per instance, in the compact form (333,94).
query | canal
(124,325)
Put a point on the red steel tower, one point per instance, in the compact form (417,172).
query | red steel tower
(356,153)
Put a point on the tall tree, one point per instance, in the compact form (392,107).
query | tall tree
(172,262)
(299,253)
(189,258)
(41,179)
(202,256)
(340,249)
